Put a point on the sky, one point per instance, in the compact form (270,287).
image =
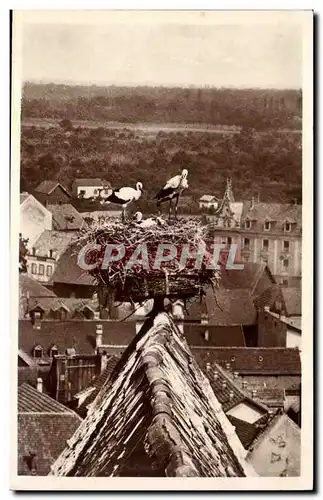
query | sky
(227,55)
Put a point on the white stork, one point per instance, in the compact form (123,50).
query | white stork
(124,196)
(172,190)
(147,223)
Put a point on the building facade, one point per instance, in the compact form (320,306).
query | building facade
(91,188)
(265,232)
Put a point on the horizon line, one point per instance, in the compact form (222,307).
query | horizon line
(70,83)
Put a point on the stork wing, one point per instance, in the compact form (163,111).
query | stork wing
(173,182)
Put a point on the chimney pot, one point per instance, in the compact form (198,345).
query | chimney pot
(99,335)
(104,361)
(215,375)
(235,375)
(39,384)
(254,393)
(208,366)
(224,384)
(227,365)
(252,203)
(244,384)
(231,395)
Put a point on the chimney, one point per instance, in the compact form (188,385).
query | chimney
(206,335)
(178,314)
(266,308)
(254,393)
(98,336)
(204,319)
(224,385)
(36,320)
(228,366)
(215,375)
(235,375)
(39,384)
(244,384)
(231,395)
(208,366)
(104,361)
(96,315)
(252,203)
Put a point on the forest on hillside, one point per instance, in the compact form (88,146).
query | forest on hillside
(267,164)
(254,108)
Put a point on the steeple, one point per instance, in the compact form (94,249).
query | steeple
(228,192)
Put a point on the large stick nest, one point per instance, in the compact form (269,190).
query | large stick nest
(140,282)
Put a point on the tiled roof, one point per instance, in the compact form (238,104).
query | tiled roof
(278,213)
(68,271)
(46,187)
(227,389)
(91,182)
(218,336)
(65,217)
(293,301)
(58,241)
(31,400)
(78,334)
(230,307)
(246,278)
(208,197)
(246,431)
(70,303)
(268,297)
(157,401)
(44,425)
(253,360)
(31,286)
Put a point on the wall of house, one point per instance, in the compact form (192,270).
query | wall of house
(41,269)
(271,331)
(72,290)
(91,191)
(246,412)
(278,453)
(270,381)
(58,196)
(294,338)
(34,220)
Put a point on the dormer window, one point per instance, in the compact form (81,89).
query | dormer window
(247,224)
(38,352)
(287,227)
(53,351)
(267,225)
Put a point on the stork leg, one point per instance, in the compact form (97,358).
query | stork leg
(123,218)
(170,208)
(176,205)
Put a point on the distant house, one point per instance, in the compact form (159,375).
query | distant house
(52,192)
(89,188)
(66,217)
(44,426)
(42,257)
(34,218)
(208,201)
(280,320)
(277,451)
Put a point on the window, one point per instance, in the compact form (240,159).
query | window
(246,258)
(50,253)
(95,191)
(246,242)
(247,224)
(33,268)
(34,251)
(267,226)
(229,240)
(286,246)
(41,270)
(49,271)
(285,283)
(38,351)
(265,244)
(288,227)
(285,263)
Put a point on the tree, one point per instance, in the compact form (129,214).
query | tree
(66,124)
(22,254)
